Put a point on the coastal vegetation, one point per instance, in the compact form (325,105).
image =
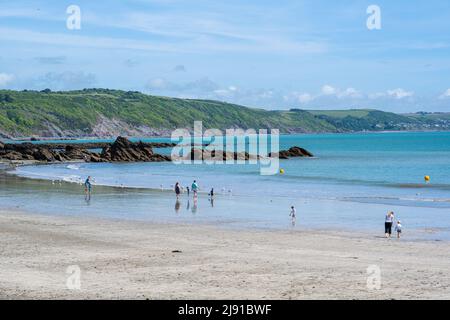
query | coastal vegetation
(106,113)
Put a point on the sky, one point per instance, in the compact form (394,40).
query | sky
(307,54)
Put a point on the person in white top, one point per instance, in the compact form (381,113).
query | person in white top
(388,221)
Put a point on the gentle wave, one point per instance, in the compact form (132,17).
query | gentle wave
(76,179)
(353,181)
(73,167)
(398,198)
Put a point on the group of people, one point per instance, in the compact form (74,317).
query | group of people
(194,187)
(389,223)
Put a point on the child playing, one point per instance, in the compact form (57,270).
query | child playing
(398,228)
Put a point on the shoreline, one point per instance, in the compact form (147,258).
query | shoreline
(135,260)
(314,213)
(112,138)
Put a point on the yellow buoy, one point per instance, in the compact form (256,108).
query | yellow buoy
(427,178)
(281,171)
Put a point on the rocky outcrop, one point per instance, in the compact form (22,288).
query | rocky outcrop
(214,155)
(26,151)
(294,152)
(124,150)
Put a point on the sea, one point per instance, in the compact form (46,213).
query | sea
(349,184)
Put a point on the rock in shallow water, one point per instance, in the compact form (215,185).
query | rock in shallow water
(122,150)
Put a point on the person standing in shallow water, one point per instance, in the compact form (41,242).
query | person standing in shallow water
(388,222)
(293,215)
(177,189)
(88,186)
(194,188)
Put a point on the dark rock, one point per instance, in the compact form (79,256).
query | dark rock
(200,154)
(214,155)
(299,152)
(2,145)
(123,150)
(76,153)
(293,152)
(95,158)
(42,154)
(14,155)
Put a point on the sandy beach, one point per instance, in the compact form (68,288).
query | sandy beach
(136,260)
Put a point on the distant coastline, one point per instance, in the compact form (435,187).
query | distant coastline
(105,113)
(88,139)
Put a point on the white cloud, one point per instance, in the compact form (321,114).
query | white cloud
(298,97)
(349,93)
(328,90)
(157,83)
(399,93)
(5,79)
(305,98)
(446,94)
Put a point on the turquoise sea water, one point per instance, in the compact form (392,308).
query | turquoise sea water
(349,174)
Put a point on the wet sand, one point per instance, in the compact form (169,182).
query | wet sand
(135,260)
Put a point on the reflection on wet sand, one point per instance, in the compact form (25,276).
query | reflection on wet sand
(177,206)
(87,198)
(195,205)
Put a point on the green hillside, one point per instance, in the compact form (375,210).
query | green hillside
(103,112)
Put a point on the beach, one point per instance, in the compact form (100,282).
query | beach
(121,259)
(132,238)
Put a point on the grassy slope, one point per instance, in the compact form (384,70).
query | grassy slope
(26,113)
(80,110)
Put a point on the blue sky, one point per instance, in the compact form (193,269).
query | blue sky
(269,54)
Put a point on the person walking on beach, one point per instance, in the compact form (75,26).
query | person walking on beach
(187,188)
(88,186)
(177,189)
(398,228)
(293,215)
(194,188)
(211,193)
(389,220)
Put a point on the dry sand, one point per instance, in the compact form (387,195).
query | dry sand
(123,259)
